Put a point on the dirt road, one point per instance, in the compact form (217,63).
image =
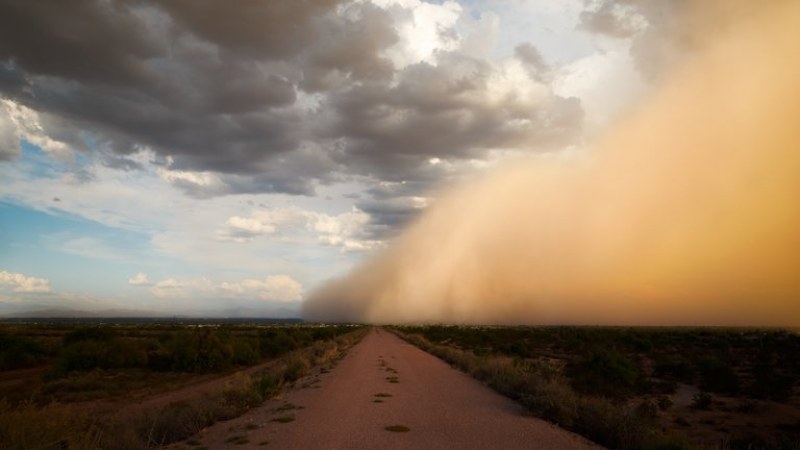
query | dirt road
(385,382)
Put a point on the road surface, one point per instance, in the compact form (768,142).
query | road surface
(383,382)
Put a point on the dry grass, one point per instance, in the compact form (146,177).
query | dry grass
(542,388)
(57,425)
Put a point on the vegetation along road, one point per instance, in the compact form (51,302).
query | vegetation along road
(387,394)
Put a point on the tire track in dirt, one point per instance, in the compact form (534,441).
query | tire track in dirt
(387,394)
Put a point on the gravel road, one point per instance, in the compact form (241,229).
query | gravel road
(384,382)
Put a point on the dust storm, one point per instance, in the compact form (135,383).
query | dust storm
(685,212)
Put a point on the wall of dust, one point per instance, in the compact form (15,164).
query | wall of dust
(686,212)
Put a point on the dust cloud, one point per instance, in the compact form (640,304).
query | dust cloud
(687,212)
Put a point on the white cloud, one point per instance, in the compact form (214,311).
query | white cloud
(18,282)
(140,279)
(29,127)
(182,288)
(276,288)
(345,230)
(423,29)
(607,83)
(280,288)
(261,222)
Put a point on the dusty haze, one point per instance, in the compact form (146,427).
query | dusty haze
(686,212)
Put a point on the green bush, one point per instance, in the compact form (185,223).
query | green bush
(718,376)
(19,351)
(606,373)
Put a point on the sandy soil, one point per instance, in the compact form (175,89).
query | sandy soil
(382,382)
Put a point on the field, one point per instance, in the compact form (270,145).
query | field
(138,384)
(141,384)
(668,388)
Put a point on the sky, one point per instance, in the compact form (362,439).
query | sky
(202,157)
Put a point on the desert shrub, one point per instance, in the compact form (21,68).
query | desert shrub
(19,351)
(518,348)
(88,354)
(767,382)
(605,372)
(27,426)
(267,384)
(199,351)
(674,367)
(554,401)
(274,343)
(83,355)
(296,367)
(718,376)
(171,423)
(701,400)
(245,351)
(96,334)
(668,443)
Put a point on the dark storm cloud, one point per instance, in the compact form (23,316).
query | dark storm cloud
(274,29)
(87,40)
(390,214)
(443,111)
(202,82)
(362,32)
(264,96)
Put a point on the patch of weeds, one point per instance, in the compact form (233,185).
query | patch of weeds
(382,394)
(392,379)
(238,440)
(250,426)
(193,442)
(283,419)
(263,443)
(287,407)
(377,400)
(398,429)
(701,400)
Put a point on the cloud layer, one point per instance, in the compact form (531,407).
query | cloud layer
(272,96)
(685,213)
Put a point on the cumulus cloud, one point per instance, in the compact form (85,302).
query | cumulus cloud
(181,288)
(140,279)
(280,288)
(275,96)
(352,230)
(20,122)
(261,222)
(17,282)
(275,288)
(458,108)
(347,230)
